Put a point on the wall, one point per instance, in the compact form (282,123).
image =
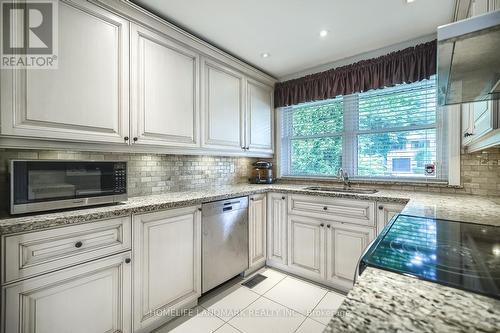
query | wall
(147,173)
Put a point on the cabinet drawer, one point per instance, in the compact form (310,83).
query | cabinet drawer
(341,210)
(38,252)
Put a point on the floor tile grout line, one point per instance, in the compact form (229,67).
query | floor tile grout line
(309,316)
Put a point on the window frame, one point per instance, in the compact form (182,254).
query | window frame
(447,127)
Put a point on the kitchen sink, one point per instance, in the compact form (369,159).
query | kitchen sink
(341,189)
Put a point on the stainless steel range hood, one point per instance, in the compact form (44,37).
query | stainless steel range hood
(469,60)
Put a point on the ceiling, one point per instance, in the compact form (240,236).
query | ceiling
(289,29)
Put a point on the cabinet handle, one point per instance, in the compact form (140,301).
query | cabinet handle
(467,134)
(126,138)
(325,208)
(328,226)
(283,198)
(322,225)
(380,207)
(135,139)
(78,244)
(128,260)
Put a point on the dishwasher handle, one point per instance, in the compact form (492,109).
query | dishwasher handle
(224,206)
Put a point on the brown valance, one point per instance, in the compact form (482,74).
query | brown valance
(405,66)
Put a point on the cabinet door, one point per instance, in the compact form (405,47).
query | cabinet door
(259,117)
(345,244)
(467,123)
(164,90)
(257,230)
(306,246)
(93,297)
(167,264)
(479,7)
(222,107)
(385,212)
(86,98)
(276,228)
(482,114)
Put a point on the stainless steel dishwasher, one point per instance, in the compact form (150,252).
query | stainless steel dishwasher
(224,241)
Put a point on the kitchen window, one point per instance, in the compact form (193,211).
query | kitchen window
(390,133)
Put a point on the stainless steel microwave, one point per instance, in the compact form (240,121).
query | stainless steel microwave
(37,185)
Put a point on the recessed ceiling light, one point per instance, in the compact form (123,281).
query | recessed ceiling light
(409,1)
(264,55)
(323,33)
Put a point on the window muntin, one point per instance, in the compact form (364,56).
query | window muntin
(364,133)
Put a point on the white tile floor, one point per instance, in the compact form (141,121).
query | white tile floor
(279,304)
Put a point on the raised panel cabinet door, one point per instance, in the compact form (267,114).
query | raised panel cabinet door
(483,118)
(222,107)
(259,123)
(167,265)
(345,245)
(164,90)
(306,246)
(276,228)
(385,212)
(87,97)
(257,230)
(93,297)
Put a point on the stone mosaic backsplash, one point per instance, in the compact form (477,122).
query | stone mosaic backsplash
(156,174)
(147,173)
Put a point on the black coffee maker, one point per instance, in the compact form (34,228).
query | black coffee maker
(262,173)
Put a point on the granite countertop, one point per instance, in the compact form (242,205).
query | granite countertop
(383,301)
(468,208)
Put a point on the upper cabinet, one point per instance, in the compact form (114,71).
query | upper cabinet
(164,90)
(236,111)
(259,118)
(128,81)
(222,112)
(480,125)
(86,97)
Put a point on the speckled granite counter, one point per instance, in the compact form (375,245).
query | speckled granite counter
(382,301)
(468,208)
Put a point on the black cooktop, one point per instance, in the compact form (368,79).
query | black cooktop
(457,254)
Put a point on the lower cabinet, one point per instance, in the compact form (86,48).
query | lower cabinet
(385,212)
(167,265)
(92,297)
(345,244)
(276,228)
(306,246)
(257,231)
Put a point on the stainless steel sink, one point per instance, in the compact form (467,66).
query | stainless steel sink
(341,189)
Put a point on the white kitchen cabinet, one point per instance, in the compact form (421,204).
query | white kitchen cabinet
(93,297)
(257,231)
(222,107)
(345,245)
(259,117)
(277,228)
(167,265)
(164,90)
(480,125)
(306,246)
(87,97)
(385,212)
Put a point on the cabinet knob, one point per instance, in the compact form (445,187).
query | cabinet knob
(128,260)
(322,225)
(380,207)
(283,198)
(126,138)
(199,209)
(325,208)
(252,199)
(328,225)
(243,147)
(78,244)
(247,148)
(135,139)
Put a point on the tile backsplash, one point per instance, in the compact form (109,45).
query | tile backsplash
(147,173)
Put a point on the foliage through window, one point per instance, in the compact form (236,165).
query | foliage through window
(385,133)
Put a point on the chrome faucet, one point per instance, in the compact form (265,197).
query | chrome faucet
(344,176)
